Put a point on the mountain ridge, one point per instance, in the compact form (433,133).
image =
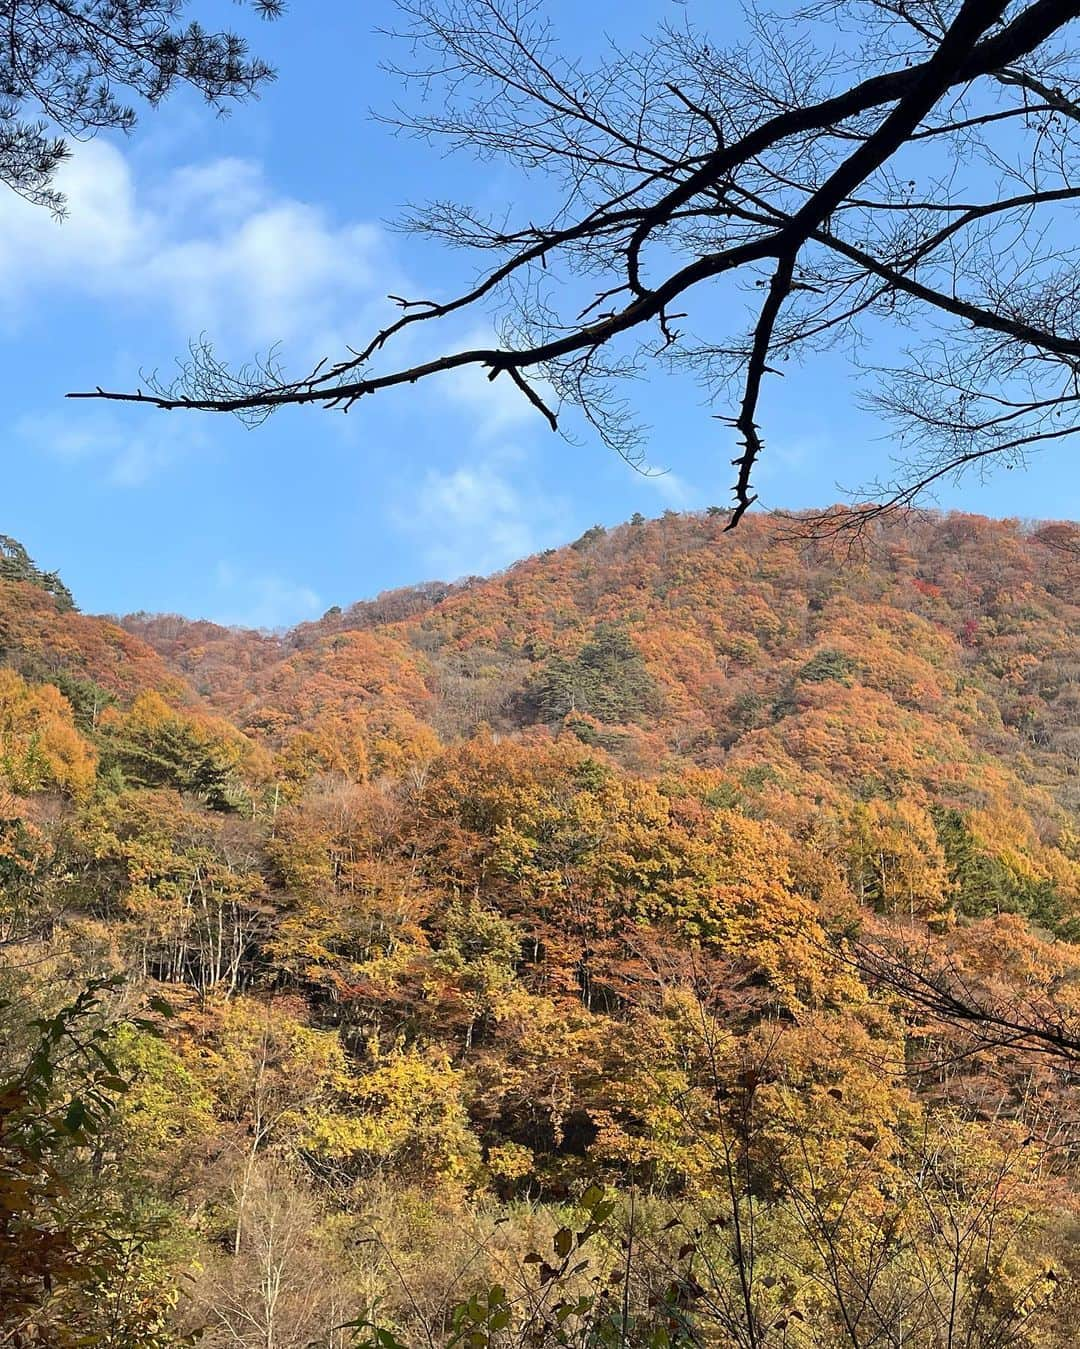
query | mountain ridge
(653,577)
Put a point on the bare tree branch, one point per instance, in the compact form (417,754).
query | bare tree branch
(933,189)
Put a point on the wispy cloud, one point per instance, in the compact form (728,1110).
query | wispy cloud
(494,406)
(676,492)
(123,454)
(253,599)
(475,518)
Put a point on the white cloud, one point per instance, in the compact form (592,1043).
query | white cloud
(495,406)
(220,189)
(791,454)
(127,454)
(486,511)
(474,519)
(211,246)
(677,492)
(251,599)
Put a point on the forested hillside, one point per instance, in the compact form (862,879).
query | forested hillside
(562,957)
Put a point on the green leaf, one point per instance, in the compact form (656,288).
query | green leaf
(74,1117)
(591,1198)
(104,1059)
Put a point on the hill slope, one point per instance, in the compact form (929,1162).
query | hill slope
(475,895)
(718,620)
(941,663)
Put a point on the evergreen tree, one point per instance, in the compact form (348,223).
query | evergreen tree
(69,67)
(606,679)
(16,564)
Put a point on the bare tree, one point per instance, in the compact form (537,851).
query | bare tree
(854,168)
(984,1014)
(283,1291)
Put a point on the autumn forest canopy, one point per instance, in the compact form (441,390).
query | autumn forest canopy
(672,939)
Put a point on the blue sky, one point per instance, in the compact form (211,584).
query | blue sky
(272,225)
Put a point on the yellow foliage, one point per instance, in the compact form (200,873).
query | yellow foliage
(40,748)
(406,1112)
